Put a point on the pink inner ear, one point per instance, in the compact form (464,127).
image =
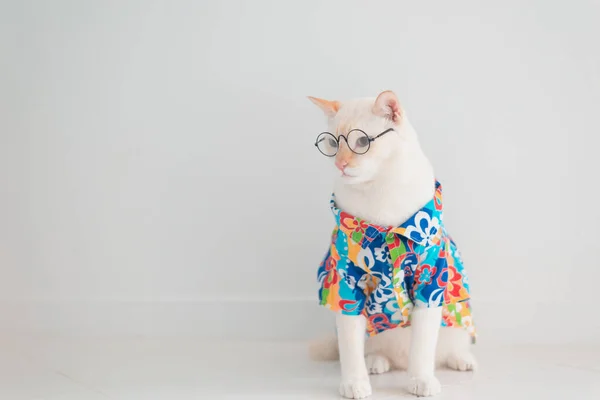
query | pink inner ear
(387,105)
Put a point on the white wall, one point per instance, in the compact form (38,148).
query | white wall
(157,168)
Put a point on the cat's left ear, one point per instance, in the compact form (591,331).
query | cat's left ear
(388,106)
(330,108)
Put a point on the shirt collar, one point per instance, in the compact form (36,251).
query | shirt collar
(414,228)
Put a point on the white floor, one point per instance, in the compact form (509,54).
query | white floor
(59,369)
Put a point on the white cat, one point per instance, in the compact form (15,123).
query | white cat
(385,186)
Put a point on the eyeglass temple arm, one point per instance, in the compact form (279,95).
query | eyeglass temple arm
(382,133)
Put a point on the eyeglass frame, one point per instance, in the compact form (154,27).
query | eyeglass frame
(337,139)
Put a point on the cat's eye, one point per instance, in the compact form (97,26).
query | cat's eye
(327,144)
(362,142)
(358,141)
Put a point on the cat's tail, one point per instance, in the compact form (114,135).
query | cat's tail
(324,349)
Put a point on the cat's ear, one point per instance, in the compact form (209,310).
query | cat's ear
(330,108)
(388,106)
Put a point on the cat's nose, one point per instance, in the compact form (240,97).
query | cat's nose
(341,164)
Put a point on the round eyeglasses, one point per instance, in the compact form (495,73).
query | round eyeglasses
(358,142)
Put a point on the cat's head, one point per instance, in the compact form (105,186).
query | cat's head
(348,120)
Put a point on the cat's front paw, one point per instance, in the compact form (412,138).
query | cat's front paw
(424,387)
(356,388)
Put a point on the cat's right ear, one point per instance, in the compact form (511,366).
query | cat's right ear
(387,106)
(330,108)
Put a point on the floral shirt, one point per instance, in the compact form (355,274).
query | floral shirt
(382,272)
